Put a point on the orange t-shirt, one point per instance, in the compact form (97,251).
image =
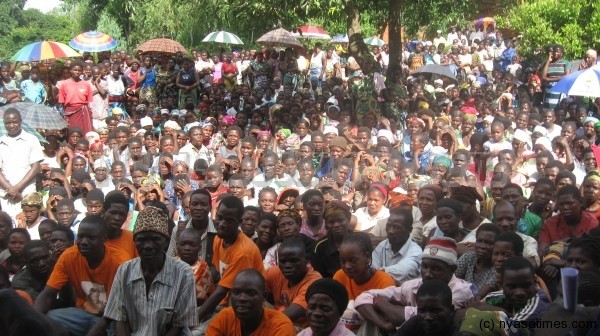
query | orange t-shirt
(283,295)
(379,280)
(273,323)
(230,261)
(92,286)
(124,243)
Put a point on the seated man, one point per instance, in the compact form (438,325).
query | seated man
(571,222)
(398,255)
(188,250)
(61,239)
(114,212)
(89,268)
(32,278)
(233,252)
(505,216)
(435,315)
(287,283)
(438,262)
(66,215)
(246,316)
(519,297)
(165,284)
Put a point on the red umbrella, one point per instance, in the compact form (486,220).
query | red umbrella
(309,32)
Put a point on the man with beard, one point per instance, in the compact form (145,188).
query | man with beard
(247,316)
(153,294)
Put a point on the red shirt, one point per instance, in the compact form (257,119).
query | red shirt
(228,68)
(555,228)
(72,93)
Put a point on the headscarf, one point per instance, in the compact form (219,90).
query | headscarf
(291,213)
(204,124)
(151,179)
(470,117)
(443,160)
(381,187)
(472,325)
(437,191)
(593,175)
(228,120)
(140,107)
(450,203)
(34,199)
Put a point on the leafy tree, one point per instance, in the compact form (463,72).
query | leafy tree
(572,23)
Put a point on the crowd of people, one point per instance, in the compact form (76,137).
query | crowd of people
(265,192)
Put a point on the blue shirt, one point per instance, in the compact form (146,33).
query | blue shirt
(33,91)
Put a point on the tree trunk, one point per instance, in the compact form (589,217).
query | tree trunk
(395,41)
(357,47)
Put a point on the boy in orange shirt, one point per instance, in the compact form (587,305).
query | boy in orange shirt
(89,267)
(115,210)
(288,282)
(247,316)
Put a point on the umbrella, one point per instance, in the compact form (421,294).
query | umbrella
(340,39)
(374,41)
(485,22)
(436,70)
(223,37)
(584,83)
(93,41)
(279,37)
(163,45)
(38,116)
(38,51)
(309,32)
(25,128)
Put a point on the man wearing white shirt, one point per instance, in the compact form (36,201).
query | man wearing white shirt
(452,35)
(194,149)
(439,39)
(20,161)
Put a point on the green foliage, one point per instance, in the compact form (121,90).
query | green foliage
(108,25)
(572,23)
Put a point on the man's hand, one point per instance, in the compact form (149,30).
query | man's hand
(13,193)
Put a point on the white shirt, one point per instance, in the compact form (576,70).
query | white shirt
(189,154)
(115,87)
(16,157)
(259,182)
(451,38)
(366,221)
(201,65)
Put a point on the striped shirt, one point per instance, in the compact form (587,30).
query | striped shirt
(531,312)
(171,299)
(172,251)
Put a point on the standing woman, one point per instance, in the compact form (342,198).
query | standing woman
(289,67)
(217,74)
(148,83)
(229,72)
(357,274)
(318,62)
(259,69)
(187,81)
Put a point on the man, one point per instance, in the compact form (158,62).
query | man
(571,221)
(553,70)
(75,94)
(89,268)
(237,187)
(115,211)
(195,150)
(273,176)
(32,278)
(398,255)
(313,226)
(419,152)
(439,39)
(200,209)
(549,119)
(519,296)
(438,262)
(435,314)
(233,252)
(247,316)
(289,280)
(61,239)
(153,294)
(250,219)
(337,150)
(20,162)
(505,216)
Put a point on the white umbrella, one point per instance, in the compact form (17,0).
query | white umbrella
(222,37)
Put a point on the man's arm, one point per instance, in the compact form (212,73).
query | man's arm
(367,311)
(122,328)
(35,169)
(45,299)
(212,302)
(295,311)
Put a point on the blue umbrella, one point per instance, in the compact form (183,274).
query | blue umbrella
(341,38)
(584,83)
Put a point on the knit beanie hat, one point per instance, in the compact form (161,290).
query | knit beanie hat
(332,288)
(152,219)
(441,248)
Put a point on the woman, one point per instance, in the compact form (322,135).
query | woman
(134,74)
(468,123)
(326,301)
(591,192)
(289,66)
(289,222)
(217,73)
(187,81)
(439,168)
(148,82)
(267,199)
(259,69)
(448,215)
(17,238)
(266,232)
(375,210)
(326,258)
(357,275)
(232,142)
(427,198)
(165,79)
(229,72)
(476,267)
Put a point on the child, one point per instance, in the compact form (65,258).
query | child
(188,248)
(33,89)
(493,146)
(248,147)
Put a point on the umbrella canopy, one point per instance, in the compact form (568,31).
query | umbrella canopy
(279,37)
(222,37)
(341,38)
(38,51)
(584,83)
(436,70)
(38,116)
(374,41)
(485,22)
(309,32)
(93,41)
(163,45)
(25,128)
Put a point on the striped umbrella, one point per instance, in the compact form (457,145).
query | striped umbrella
(93,41)
(311,32)
(38,116)
(374,41)
(222,37)
(38,51)
(25,128)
